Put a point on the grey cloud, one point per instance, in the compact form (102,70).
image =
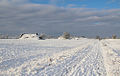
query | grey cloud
(50,19)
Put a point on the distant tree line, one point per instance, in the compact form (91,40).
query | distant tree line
(3,36)
(113,37)
(65,35)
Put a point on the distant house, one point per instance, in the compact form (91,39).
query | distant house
(29,36)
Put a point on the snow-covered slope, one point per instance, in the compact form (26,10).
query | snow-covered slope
(54,57)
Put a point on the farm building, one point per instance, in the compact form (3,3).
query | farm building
(29,36)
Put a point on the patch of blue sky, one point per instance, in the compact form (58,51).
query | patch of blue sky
(99,4)
(40,1)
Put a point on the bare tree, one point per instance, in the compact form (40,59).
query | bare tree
(114,36)
(66,35)
(98,37)
(3,36)
(43,36)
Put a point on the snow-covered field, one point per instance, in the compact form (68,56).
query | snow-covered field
(54,57)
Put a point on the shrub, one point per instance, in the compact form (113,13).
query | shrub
(98,37)
(66,35)
(114,36)
(43,36)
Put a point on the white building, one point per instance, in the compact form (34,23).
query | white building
(29,36)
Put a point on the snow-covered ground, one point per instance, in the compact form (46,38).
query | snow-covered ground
(55,57)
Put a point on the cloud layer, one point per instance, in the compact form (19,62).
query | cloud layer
(29,17)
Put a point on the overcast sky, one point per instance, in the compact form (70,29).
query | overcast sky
(79,17)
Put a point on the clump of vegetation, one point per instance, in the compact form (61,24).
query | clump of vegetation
(43,36)
(66,35)
(98,37)
(3,36)
(114,36)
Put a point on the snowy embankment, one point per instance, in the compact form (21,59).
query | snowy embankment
(53,57)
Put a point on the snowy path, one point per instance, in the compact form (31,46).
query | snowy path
(85,62)
(84,57)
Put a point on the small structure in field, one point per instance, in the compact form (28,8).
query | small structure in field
(29,36)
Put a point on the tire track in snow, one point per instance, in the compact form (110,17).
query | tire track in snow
(88,61)
(37,64)
(108,45)
(111,59)
(92,65)
(66,61)
(10,54)
(63,64)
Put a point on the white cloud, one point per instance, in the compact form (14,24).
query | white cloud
(28,17)
(4,2)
